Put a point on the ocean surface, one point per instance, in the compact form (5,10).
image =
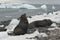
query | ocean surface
(10,13)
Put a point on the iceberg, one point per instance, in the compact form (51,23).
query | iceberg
(27,6)
(53,7)
(43,7)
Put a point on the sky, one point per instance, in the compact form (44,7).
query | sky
(34,1)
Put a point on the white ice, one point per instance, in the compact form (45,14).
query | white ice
(1,25)
(44,7)
(28,6)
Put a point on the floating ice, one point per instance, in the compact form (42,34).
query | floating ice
(53,7)
(8,16)
(1,25)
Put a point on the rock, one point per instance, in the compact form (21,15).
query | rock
(2,29)
(5,23)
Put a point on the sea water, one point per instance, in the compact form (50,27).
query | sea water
(10,13)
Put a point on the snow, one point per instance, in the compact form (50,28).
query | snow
(4,36)
(53,17)
(33,34)
(54,25)
(42,35)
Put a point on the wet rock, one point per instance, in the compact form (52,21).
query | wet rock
(5,23)
(2,29)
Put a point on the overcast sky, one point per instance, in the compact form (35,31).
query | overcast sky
(34,1)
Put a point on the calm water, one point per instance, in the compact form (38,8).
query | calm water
(6,14)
